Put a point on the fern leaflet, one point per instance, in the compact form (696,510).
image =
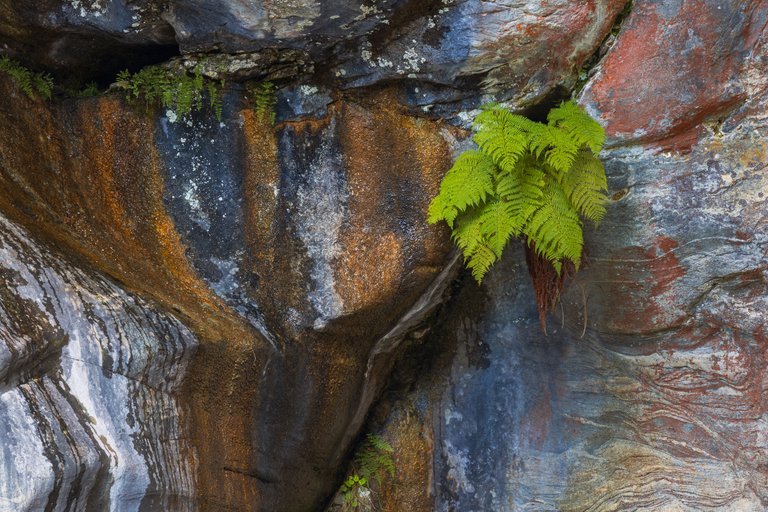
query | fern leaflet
(584,186)
(32,84)
(468,183)
(556,228)
(503,136)
(584,130)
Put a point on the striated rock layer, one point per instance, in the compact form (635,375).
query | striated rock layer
(89,376)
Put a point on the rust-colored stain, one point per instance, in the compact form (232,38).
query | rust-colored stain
(659,82)
(410,489)
(644,285)
(664,266)
(535,425)
(394,163)
(89,178)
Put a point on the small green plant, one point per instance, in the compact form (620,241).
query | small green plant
(263,96)
(372,462)
(90,90)
(526,179)
(31,83)
(354,490)
(175,90)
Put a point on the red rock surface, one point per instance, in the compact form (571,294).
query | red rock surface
(674,65)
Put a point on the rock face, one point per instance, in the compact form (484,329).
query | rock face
(647,392)
(272,243)
(444,51)
(198,314)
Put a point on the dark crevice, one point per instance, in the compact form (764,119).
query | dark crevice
(132,59)
(590,65)
(250,474)
(539,110)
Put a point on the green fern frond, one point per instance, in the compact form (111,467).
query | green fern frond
(90,90)
(264,99)
(373,459)
(503,136)
(498,223)
(43,84)
(215,99)
(481,261)
(441,209)
(584,130)
(584,186)
(523,190)
(556,228)
(558,148)
(467,233)
(32,84)
(467,183)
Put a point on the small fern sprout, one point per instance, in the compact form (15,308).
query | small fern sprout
(32,84)
(176,90)
(263,96)
(526,179)
(372,462)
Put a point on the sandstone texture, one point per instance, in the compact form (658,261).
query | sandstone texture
(205,314)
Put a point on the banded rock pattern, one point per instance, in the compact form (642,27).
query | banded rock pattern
(297,256)
(88,378)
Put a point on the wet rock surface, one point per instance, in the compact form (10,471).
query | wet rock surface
(197,314)
(296,258)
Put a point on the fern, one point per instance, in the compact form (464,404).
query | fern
(372,462)
(263,96)
(90,90)
(374,458)
(468,183)
(175,90)
(526,179)
(32,84)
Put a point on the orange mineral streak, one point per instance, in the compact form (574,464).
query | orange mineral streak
(373,266)
(411,487)
(86,176)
